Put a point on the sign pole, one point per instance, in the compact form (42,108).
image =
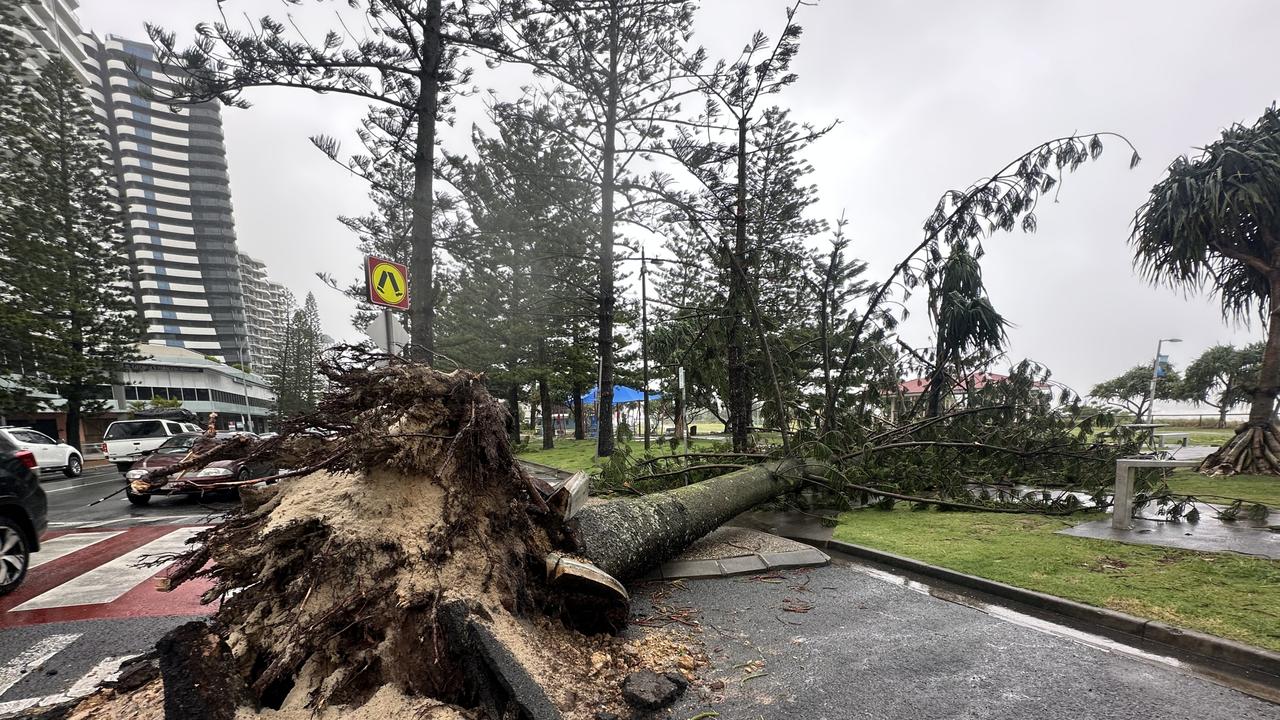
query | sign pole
(389,322)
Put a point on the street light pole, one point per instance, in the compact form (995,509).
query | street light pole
(1155,376)
(248,418)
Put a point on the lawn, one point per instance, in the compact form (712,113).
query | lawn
(581,454)
(1228,595)
(1258,488)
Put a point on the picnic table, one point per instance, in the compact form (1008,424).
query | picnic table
(1126,474)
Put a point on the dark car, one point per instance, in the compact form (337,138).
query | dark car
(23,513)
(196,481)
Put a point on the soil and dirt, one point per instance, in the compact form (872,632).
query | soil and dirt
(405,504)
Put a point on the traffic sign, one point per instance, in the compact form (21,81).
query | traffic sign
(388,282)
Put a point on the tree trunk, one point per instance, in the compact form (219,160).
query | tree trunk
(604,395)
(1255,449)
(1222,416)
(513,413)
(626,537)
(679,419)
(421,239)
(548,426)
(739,393)
(579,432)
(73,423)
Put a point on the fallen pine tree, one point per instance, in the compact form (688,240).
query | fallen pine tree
(400,567)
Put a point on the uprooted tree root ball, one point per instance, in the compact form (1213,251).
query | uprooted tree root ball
(406,536)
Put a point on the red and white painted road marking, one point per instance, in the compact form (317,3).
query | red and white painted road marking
(26,662)
(90,575)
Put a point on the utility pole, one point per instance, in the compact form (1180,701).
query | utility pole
(644,341)
(248,420)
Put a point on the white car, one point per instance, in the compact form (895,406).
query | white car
(127,441)
(50,454)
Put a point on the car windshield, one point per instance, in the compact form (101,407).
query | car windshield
(177,444)
(134,430)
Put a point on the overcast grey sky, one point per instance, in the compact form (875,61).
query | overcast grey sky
(930,95)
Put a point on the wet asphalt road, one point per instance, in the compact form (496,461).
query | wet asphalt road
(868,648)
(69,501)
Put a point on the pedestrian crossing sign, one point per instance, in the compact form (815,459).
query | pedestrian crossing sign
(388,282)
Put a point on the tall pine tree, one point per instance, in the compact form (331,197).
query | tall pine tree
(65,266)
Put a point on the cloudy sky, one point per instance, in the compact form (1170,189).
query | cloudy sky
(930,95)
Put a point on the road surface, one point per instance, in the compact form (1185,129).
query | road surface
(89,600)
(847,641)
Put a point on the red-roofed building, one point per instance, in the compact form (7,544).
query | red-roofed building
(910,390)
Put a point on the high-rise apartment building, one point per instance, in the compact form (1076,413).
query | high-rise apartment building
(172,172)
(54,31)
(267,306)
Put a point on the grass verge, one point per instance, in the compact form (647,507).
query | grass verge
(1264,489)
(1228,595)
(574,455)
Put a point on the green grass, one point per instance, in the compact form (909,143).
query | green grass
(1223,594)
(577,455)
(1258,488)
(1202,436)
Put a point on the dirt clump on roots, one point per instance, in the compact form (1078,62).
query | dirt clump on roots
(397,552)
(403,502)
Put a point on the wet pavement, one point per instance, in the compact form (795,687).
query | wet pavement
(1209,534)
(850,641)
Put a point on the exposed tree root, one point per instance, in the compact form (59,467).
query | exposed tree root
(1254,450)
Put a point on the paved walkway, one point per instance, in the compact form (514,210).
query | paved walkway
(729,551)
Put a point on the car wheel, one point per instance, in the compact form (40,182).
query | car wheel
(74,467)
(137,499)
(14,555)
(243,475)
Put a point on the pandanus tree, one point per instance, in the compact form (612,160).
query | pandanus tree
(1214,222)
(963,318)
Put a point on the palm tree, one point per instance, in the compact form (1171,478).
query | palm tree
(1214,222)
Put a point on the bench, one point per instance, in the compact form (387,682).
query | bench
(1180,437)
(1126,474)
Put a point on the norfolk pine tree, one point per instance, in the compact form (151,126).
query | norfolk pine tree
(408,62)
(67,271)
(616,79)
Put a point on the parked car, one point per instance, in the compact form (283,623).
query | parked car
(23,513)
(50,455)
(127,441)
(191,482)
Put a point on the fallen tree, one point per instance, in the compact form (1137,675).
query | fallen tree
(400,568)
(626,537)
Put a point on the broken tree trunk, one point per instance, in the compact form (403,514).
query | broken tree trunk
(626,537)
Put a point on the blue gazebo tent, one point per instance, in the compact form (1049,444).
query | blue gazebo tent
(621,395)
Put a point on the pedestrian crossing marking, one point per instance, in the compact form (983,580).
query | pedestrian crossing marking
(64,545)
(33,657)
(112,579)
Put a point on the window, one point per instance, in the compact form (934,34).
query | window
(134,429)
(31,437)
(188,393)
(202,394)
(174,427)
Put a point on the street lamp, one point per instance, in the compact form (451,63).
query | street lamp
(248,417)
(1155,375)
